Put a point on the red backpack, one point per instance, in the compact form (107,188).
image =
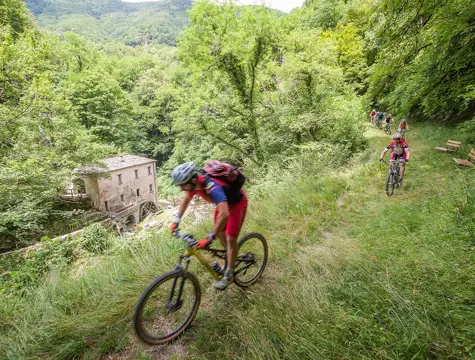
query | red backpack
(225,172)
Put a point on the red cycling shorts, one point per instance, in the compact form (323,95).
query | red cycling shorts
(237,214)
(402,157)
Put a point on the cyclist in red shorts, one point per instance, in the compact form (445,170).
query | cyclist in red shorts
(229,215)
(400,151)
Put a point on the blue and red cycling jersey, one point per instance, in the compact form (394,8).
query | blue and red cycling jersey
(216,191)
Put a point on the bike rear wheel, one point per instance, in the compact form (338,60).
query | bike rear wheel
(252,259)
(167,307)
(390,183)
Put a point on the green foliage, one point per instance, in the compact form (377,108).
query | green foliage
(99,20)
(468,131)
(256,92)
(31,270)
(103,107)
(425,62)
(95,239)
(13,18)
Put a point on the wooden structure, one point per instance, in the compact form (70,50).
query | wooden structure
(451,146)
(468,162)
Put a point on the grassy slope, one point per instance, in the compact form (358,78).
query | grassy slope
(352,274)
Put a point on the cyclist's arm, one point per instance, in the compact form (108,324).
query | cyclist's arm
(223,214)
(408,152)
(384,153)
(184,204)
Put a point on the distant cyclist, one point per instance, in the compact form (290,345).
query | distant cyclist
(229,215)
(372,115)
(402,128)
(400,152)
(380,118)
(388,120)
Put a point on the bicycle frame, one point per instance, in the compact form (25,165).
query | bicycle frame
(191,251)
(217,253)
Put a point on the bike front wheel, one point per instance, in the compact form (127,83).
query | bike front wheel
(252,259)
(167,307)
(390,183)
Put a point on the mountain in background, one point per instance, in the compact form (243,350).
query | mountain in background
(102,20)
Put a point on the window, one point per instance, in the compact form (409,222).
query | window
(138,192)
(107,207)
(136,174)
(150,170)
(150,187)
(122,198)
(119,178)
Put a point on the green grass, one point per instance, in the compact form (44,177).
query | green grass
(352,274)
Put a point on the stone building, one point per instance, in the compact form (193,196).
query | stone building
(127,181)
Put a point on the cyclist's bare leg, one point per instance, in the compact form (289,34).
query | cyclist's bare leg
(230,244)
(232,251)
(222,238)
(401,171)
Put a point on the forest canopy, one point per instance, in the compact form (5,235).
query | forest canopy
(249,85)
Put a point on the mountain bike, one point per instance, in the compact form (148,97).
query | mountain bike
(392,180)
(403,133)
(387,128)
(170,303)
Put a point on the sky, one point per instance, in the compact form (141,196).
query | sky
(282,5)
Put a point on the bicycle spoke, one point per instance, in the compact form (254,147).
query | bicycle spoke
(166,309)
(252,259)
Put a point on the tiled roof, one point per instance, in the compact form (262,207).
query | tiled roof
(114,163)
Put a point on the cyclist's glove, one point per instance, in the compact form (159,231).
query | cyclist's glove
(204,243)
(174,227)
(381,160)
(175,223)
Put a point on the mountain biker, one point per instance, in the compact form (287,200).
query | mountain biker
(403,127)
(380,117)
(400,151)
(231,206)
(372,114)
(388,120)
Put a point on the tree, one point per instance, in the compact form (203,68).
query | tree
(103,108)
(227,49)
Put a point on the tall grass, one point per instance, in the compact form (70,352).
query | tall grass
(352,274)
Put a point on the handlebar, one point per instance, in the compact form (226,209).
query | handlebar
(189,239)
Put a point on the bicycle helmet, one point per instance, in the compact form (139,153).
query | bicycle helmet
(397,136)
(403,120)
(184,173)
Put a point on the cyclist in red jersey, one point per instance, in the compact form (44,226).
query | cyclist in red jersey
(229,215)
(372,114)
(400,151)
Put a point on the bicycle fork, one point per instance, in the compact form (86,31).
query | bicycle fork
(171,304)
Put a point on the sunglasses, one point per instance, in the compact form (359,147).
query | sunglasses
(182,186)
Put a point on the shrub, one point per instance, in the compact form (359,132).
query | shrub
(95,239)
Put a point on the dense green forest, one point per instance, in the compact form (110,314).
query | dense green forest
(248,84)
(131,23)
(352,274)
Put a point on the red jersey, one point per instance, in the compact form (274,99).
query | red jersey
(398,149)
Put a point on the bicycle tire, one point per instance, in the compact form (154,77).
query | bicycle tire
(390,183)
(141,319)
(248,258)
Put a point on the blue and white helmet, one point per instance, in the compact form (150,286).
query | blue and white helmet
(184,173)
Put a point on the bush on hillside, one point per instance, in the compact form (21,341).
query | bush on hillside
(95,239)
